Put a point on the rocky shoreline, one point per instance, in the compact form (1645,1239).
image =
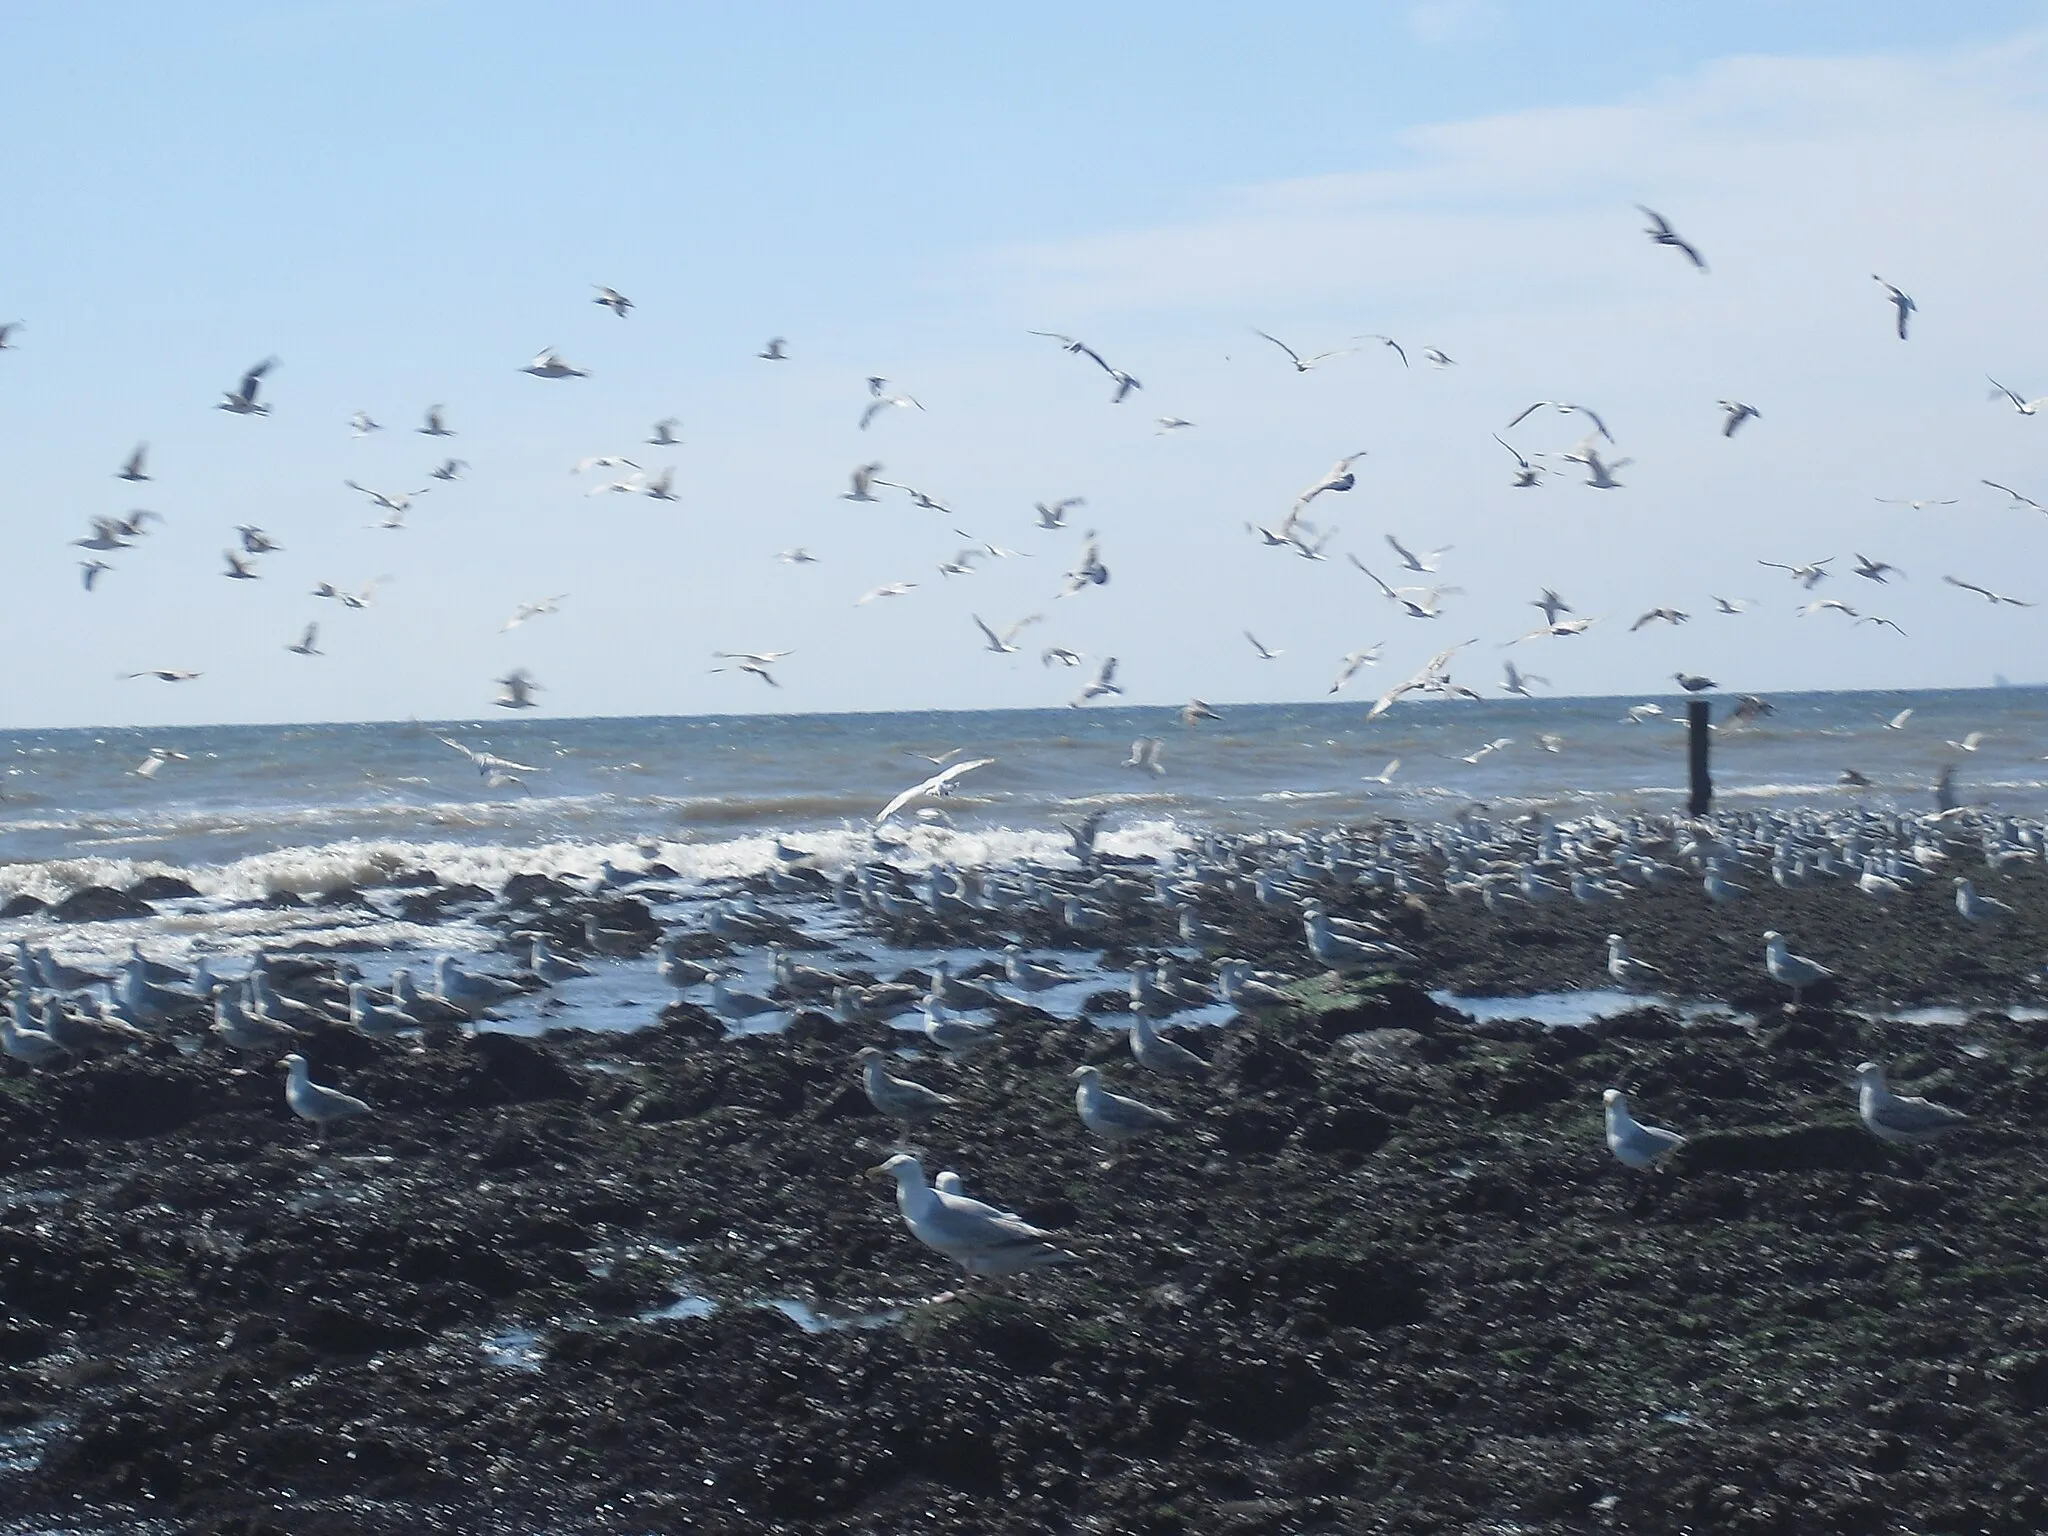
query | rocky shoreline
(1385,1277)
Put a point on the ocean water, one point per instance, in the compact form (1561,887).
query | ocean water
(250,811)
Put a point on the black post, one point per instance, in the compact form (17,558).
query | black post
(1698,716)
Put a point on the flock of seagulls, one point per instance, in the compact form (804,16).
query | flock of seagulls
(1179,930)
(1296,533)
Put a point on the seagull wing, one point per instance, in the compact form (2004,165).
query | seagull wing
(1281,345)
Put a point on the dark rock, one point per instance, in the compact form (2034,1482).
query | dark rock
(162,888)
(510,1069)
(23,905)
(534,890)
(99,904)
(1345,1128)
(1775,1149)
(1253,1127)
(337,1330)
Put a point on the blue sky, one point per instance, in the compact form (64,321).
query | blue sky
(405,201)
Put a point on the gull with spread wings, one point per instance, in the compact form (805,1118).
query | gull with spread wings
(938,786)
(1303,364)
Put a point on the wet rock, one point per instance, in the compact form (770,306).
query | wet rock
(23,905)
(507,1069)
(99,904)
(536,890)
(1781,1149)
(162,888)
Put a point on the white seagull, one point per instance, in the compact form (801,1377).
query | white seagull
(551,365)
(241,401)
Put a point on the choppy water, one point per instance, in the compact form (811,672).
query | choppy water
(251,811)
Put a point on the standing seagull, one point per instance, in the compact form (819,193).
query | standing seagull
(1900,301)
(1632,1142)
(133,469)
(241,400)
(1895,1117)
(319,1106)
(612,300)
(1661,233)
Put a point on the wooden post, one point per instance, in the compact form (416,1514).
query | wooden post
(1699,738)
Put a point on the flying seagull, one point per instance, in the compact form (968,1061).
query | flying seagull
(449,469)
(165,674)
(551,365)
(306,645)
(612,300)
(774,352)
(133,469)
(1005,643)
(1525,472)
(519,689)
(1123,381)
(1900,301)
(434,425)
(1986,593)
(2017,499)
(1264,653)
(241,401)
(1566,408)
(665,433)
(1737,413)
(2024,407)
(1055,515)
(533,610)
(938,786)
(1661,233)
(1303,364)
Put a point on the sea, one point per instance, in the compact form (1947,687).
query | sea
(248,814)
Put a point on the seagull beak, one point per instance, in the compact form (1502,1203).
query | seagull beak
(879,1171)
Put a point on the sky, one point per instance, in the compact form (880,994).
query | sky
(404,201)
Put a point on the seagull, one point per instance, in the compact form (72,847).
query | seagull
(1145,754)
(1424,564)
(1195,711)
(317,1105)
(1566,407)
(449,469)
(1060,654)
(398,502)
(1599,473)
(2024,407)
(1303,364)
(153,764)
(551,365)
(773,352)
(1518,683)
(1916,506)
(1625,968)
(1875,570)
(1730,604)
(1738,413)
(797,556)
(897,1097)
(1338,477)
(1171,424)
(1692,683)
(357,600)
(887,589)
(1989,596)
(7,330)
(938,786)
(241,401)
(981,1239)
(1898,721)
(1436,357)
(2017,498)
(756,668)
(1112,1116)
(1348,667)
(665,433)
(612,300)
(1123,381)
(1005,643)
(1633,1143)
(1526,473)
(133,468)
(1904,305)
(1661,233)
(1969,743)
(1433,678)
(1808,576)
(1055,515)
(1827,605)
(1089,570)
(1561,630)
(166,674)
(1552,605)
(1895,1118)
(1387,341)
(1264,653)
(1496,745)
(881,403)
(362,424)
(306,645)
(519,689)
(89,572)
(1385,775)
(1788,969)
(864,482)
(1672,616)
(1423,607)
(1103,683)
(535,610)
(758,658)
(239,567)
